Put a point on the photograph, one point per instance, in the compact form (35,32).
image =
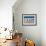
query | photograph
(29,19)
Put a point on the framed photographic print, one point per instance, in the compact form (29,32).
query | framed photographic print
(29,19)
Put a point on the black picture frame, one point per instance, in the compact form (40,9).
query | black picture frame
(29,19)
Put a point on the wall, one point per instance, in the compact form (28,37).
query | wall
(6,13)
(43,22)
(28,7)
